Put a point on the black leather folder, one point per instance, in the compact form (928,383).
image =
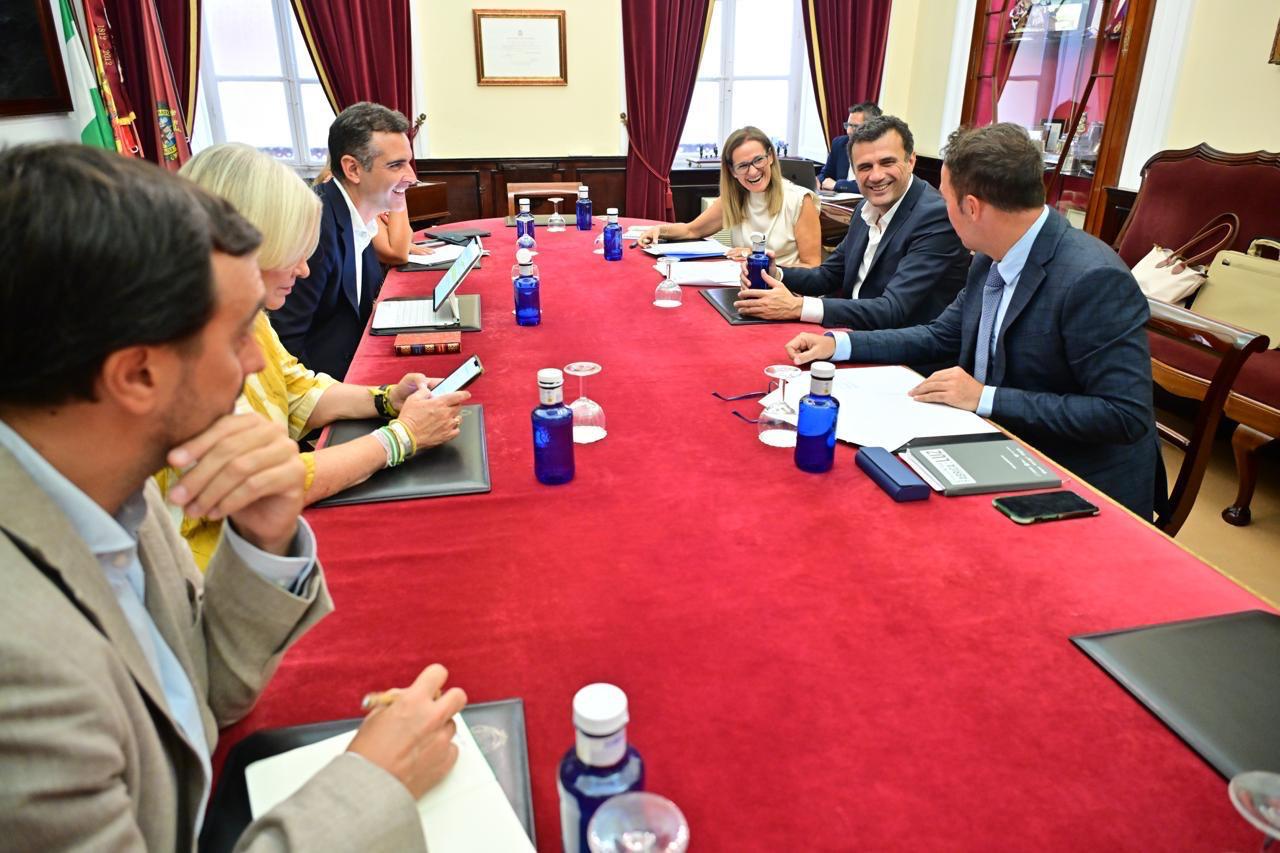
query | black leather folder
(457,236)
(468,317)
(498,728)
(722,299)
(460,467)
(1214,681)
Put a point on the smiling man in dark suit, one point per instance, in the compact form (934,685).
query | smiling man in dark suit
(322,320)
(1049,332)
(901,262)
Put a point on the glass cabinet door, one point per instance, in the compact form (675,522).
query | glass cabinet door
(1052,66)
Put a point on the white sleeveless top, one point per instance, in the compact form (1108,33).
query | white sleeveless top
(780,230)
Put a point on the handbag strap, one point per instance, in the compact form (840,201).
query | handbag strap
(1223,220)
(1255,248)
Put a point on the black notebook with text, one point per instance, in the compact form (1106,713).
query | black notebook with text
(722,299)
(1214,681)
(498,729)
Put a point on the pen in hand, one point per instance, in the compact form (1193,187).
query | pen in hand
(379,700)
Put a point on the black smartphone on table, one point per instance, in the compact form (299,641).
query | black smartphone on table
(1044,506)
(466,373)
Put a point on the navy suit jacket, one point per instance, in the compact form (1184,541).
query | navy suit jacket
(918,268)
(1072,368)
(837,167)
(321,321)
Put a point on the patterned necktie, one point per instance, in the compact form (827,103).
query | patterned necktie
(991,294)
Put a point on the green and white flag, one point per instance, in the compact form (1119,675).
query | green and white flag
(91,116)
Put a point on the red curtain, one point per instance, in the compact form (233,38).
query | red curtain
(147,77)
(846,55)
(180,24)
(361,49)
(661,46)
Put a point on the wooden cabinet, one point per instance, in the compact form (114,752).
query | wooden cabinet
(1068,71)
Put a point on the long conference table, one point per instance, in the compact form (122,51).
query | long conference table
(810,666)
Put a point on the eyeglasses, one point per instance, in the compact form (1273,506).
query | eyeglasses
(757,163)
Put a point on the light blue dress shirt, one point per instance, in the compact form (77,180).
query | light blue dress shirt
(114,541)
(1010,270)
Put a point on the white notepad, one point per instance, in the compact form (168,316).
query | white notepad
(440,255)
(466,813)
(690,249)
(704,272)
(875,410)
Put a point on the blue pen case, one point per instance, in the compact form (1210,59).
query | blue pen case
(892,475)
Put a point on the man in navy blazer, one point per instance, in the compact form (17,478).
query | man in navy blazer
(900,264)
(322,320)
(1049,333)
(835,174)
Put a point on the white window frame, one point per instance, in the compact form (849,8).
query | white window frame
(796,78)
(290,77)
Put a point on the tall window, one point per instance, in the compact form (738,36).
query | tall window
(755,70)
(258,84)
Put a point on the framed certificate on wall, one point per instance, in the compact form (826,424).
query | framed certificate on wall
(520,48)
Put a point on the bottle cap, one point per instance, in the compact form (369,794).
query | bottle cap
(582,190)
(524,202)
(757,237)
(524,257)
(550,377)
(611,211)
(822,370)
(599,709)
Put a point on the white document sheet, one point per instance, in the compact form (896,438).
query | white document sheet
(710,273)
(466,813)
(440,255)
(634,232)
(875,410)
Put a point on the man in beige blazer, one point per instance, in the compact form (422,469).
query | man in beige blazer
(126,301)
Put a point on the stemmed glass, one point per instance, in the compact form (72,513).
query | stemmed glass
(777,424)
(1256,795)
(668,294)
(555,222)
(588,417)
(638,822)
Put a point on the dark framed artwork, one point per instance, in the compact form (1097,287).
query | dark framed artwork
(33,80)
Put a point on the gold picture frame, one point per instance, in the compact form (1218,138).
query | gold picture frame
(1275,47)
(518,47)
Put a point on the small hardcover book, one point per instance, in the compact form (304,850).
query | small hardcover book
(428,343)
(977,467)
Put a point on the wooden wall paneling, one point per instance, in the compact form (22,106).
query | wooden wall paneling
(463,190)
(607,185)
(478,186)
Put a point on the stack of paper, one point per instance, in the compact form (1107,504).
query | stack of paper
(634,232)
(875,410)
(690,249)
(466,813)
(718,273)
(441,255)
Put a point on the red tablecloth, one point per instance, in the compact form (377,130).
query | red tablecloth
(810,666)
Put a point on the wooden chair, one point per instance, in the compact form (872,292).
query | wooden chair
(567,190)
(427,203)
(1181,190)
(834,219)
(1231,346)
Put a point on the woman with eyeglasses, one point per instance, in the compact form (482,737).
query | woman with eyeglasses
(754,197)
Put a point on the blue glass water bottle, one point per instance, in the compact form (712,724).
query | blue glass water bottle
(524,227)
(584,209)
(552,431)
(599,766)
(525,282)
(816,426)
(613,237)
(757,262)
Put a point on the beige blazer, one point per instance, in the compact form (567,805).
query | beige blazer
(90,757)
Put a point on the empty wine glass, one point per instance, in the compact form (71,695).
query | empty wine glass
(668,294)
(588,417)
(777,424)
(638,822)
(555,222)
(1256,795)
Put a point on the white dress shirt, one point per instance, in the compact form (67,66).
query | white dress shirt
(114,542)
(362,234)
(813,309)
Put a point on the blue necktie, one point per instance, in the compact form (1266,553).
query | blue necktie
(992,291)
